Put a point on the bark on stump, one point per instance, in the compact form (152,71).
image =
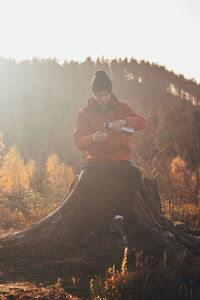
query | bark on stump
(60,241)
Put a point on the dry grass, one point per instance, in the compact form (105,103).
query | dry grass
(183,212)
(26,290)
(14,220)
(160,282)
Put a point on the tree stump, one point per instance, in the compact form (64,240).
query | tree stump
(60,243)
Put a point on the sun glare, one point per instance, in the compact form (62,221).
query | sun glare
(76,29)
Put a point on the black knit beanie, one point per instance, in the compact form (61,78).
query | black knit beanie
(101,82)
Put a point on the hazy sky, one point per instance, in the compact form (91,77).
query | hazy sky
(166,32)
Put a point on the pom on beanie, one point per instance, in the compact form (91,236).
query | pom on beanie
(101,82)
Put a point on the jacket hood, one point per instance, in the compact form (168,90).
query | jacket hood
(112,105)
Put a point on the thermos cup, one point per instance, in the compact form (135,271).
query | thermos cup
(125,130)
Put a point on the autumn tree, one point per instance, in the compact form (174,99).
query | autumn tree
(31,171)
(60,177)
(13,174)
(2,148)
(196,156)
(16,182)
(183,181)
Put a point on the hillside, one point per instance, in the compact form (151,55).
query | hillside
(39,102)
(40,99)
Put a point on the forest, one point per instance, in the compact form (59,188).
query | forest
(39,103)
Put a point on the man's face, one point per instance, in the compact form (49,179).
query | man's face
(102,98)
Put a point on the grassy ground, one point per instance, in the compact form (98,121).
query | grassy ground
(26,290)
(144,283)
(184,212)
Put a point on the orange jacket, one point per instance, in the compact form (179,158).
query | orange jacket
(91,118)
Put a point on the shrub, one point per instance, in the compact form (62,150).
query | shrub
(144,283)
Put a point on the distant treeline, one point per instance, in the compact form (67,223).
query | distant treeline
(40,99)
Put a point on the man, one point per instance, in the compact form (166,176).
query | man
(108,149)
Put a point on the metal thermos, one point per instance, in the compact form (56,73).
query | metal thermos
(125,130)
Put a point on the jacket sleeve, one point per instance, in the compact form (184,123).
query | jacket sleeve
(132,119)
(82,139)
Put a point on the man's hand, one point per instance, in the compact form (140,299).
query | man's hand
(118,124)
(99,136)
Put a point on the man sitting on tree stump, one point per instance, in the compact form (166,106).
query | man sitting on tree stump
(108,149)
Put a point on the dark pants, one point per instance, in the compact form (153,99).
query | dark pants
(125,171)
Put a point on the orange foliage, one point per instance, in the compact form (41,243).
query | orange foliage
(184,181)
(31,168)
(13,174)
(60,175)
(2,147)
(178,167)
(31,171)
